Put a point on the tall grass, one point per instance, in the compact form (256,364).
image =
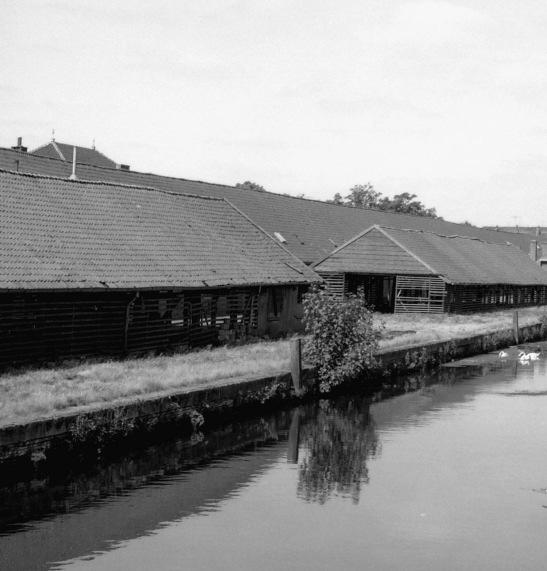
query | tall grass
(33,394)
(407,330)
(39,393)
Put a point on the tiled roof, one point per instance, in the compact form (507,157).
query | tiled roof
(372,252)
(312,228)
(61,234)
(64,151)
(459,260)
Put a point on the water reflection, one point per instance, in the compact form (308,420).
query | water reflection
(337,439)
(307,462)
(73,490)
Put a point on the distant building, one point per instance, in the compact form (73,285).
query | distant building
(65,152)
(534,230)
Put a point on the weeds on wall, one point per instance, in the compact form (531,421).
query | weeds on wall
(98,431)
(90,430)
(343,337)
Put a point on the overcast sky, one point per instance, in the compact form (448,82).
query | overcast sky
(445,99)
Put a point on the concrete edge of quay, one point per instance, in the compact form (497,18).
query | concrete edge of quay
(32,441)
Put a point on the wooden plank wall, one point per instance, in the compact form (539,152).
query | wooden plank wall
(335,283)
(419,294)
(470,298)
(41,327)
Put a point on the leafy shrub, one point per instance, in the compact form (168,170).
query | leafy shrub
(342,336)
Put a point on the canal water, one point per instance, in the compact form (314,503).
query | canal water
(446,472)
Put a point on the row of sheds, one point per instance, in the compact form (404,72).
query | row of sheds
(123,262)
(95,268)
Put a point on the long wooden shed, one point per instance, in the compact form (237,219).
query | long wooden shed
(95,268)
(407,270)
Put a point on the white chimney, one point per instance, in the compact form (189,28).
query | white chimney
(73,175)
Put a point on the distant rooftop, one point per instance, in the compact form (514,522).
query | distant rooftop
(538,230)
(84,155)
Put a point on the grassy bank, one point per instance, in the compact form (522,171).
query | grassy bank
(405,330)
(35,394)
(39,393)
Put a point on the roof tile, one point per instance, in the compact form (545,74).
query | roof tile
(312,228)
(58,233)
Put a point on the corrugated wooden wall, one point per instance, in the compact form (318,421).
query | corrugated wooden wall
(335,283)
(462,298)
(42,327)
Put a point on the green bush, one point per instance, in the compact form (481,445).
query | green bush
(342,336)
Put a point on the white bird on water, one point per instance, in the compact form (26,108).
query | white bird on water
(503,354)
(532,356)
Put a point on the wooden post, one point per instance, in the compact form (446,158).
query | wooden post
(516,326)
(294,438)
(296,365)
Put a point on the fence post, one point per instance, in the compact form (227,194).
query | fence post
(516,326)
(296,365)
(294,438)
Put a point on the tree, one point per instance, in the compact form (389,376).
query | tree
(364,196)
(406,204)
(248,185)
(336,199)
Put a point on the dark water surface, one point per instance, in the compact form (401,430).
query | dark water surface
(452,475)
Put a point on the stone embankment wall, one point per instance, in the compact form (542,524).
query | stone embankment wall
(37,442)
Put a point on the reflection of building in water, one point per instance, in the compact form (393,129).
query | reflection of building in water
(132,497)
(336,445)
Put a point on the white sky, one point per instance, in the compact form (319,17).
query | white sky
(445,99)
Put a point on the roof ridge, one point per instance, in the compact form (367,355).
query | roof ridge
(59,152)
(423,231)
(113,184)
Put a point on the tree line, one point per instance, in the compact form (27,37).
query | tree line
(365,196)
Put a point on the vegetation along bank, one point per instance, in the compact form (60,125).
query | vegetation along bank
(93,405)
